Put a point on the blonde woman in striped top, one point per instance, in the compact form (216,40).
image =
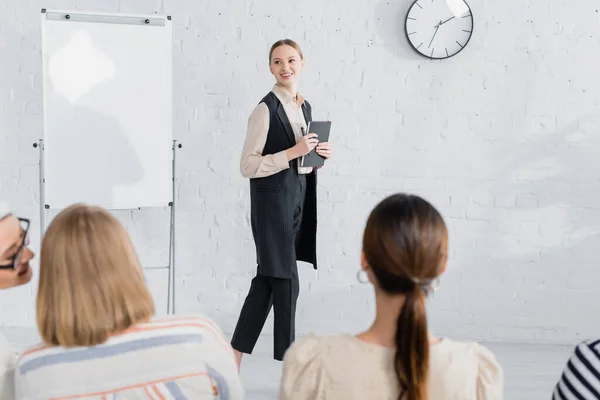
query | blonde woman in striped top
(100,340)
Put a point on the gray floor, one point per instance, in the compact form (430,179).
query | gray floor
(530,370)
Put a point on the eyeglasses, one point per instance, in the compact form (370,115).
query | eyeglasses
(24,242)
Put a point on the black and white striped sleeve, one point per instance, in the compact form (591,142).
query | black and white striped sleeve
(580,379)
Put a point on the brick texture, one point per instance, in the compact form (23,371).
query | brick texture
(501,138)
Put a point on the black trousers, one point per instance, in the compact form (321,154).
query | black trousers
(267,292)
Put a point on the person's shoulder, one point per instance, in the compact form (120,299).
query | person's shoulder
(588,351)
(473,356)
(180,322)
(581,370)
(305,371)
(470,349)
(8,361)
(269,100)
(592,344)
(307,351)
(457,345)
(260,109)
(188,325)
(467,353)
(324,339)
(312,346)
(307,341)
(7,352)
(30,354)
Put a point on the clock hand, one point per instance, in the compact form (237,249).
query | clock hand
(434,33)
(442,23)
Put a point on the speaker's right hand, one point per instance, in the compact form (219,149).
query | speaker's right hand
(306,144)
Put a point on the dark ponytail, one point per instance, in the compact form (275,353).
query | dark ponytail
(405,245)
(411,361)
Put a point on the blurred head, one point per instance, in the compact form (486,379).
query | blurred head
(14,251)
(404,251)
(91,282)
(286,62)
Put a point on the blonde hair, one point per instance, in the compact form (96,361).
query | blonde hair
(285,42)
(91,282)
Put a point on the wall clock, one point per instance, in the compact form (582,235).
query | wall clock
(439,29)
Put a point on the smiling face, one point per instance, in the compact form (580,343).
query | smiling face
(286,65)
(14,251)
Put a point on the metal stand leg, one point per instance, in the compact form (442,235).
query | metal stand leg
(42,180)
(171,289)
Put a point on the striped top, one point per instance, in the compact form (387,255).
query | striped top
(580,379)
(167,358)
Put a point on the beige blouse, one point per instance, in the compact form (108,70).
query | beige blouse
(253,164)
(343,367)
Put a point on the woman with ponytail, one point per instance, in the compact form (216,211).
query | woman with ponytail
(405,247)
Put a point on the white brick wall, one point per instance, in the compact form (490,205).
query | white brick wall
(502,138)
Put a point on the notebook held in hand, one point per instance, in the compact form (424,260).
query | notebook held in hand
(321,128)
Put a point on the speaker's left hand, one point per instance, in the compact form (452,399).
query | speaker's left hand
(324,150)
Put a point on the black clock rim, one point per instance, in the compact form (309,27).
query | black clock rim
(438,58)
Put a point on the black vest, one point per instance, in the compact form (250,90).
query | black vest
(272,203)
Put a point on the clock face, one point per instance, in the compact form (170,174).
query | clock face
(439,28)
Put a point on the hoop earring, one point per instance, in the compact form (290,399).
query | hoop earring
(360,273)
(435,284)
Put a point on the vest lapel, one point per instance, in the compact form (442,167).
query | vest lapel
(286,124)
(307,113)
